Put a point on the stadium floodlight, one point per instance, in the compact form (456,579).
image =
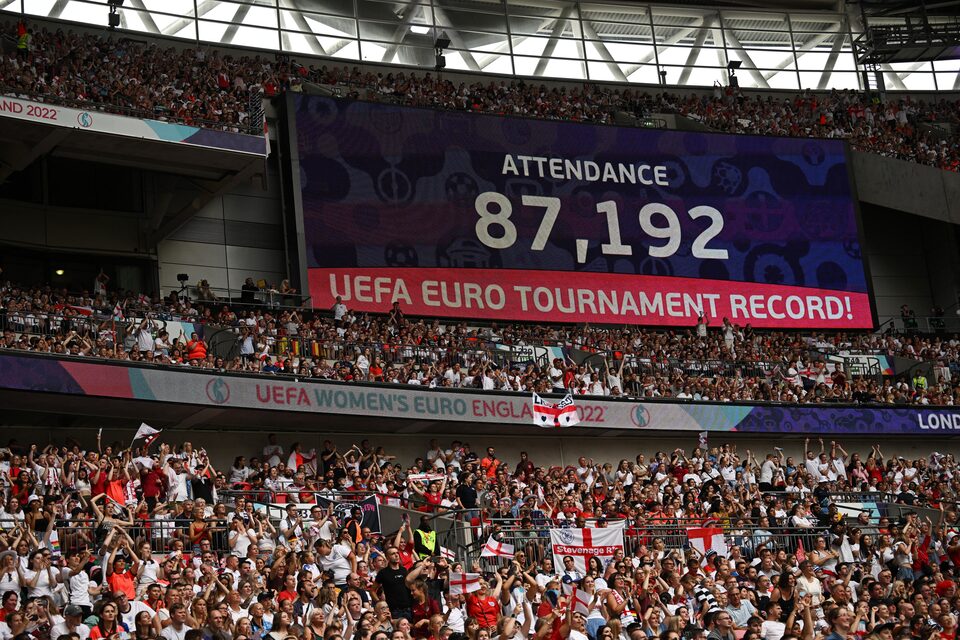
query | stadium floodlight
(419,29)
(115,3)
(442,42)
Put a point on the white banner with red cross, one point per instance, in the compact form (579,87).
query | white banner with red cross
(464,583)
(580,544)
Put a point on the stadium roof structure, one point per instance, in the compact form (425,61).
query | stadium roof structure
(785,44)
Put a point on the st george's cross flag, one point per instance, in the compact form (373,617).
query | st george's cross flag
(580,544)
(496,549)
(464,583)
(548,414)
(708,539)
(580,601)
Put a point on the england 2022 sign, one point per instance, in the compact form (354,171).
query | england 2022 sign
(469,215)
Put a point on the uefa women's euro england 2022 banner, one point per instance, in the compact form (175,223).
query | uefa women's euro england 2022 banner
(481,216)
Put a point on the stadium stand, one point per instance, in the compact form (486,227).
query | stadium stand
(725,362)
(215,93)
(156,538)
(123,542)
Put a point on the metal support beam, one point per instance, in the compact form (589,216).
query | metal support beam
(177,26)
(806,47)
(145,16)
(558,28)
(894,77)
(400,32)
(745,57)
(615,69)
(5,3)
(204,196)
(661,46)
(504,47)
(315,45)
(17,157)
(694,53)
(57,8)
(440,16)
(235,23)
(832,59)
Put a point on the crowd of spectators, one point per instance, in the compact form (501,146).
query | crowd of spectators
(714,360)
(205,88)
(116,541)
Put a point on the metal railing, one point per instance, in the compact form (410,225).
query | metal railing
(535,542)
(161,533)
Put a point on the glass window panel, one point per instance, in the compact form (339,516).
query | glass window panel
(573,69)
(948,74)
(544,26)
(336,7)
(564,48)
(758,20)
(628,33)
(644,73)
(812,61)
(348,50)
(811,80)
(494,63)
(177,8)
(320,24)
(915,76)
(763,58)
(669,16)
(630,53)
(698,76)
(388,32)
(758,39)
(634,16)
(688,36)
(256,37)
(451,18)
(785,79)
(372,10)
(680,55)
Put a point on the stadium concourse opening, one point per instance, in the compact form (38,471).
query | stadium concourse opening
(297,350)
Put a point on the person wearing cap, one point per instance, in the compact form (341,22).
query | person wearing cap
(72,623)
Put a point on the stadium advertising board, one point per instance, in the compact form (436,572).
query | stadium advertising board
(468,215)
(142,128)
(211,390)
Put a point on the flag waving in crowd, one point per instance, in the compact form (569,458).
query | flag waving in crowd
(561,414)
(494,548)
(464,583)
(148,433)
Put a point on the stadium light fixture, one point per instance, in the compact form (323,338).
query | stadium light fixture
(59,272)
(419,29)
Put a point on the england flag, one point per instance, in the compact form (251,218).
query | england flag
(464,583)
(496,549)
(708,539)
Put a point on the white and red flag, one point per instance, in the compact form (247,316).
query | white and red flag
(148,433)
(496,549)
(464,583)
(580,601)
(561,414)
(580,544)
(708,539)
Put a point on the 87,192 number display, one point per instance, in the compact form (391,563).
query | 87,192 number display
(479,216)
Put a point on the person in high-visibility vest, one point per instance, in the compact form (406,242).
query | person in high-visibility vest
(23,40)
(425,539)
(919,381)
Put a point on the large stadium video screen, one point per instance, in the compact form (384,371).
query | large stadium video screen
(456,214)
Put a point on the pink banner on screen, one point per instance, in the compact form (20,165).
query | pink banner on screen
(551,296)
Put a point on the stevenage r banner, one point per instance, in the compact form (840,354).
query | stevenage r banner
(470,215)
